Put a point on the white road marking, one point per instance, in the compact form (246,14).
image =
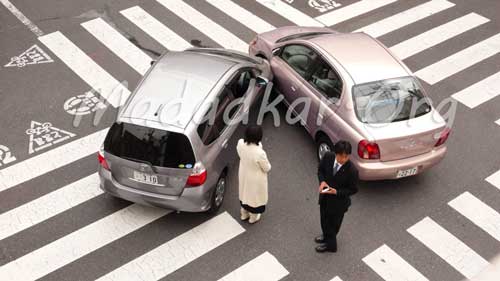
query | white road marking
(290,13)
(51,160)
(243,16)
(336,279)
(494,179)
(391,267)
(118,44)
(49,205)
(448,247)
(478,212)
(155,29)
(179,251)
(263,268)
(437,35)
(20,16)
(498,122)
(94,75)
(75,245)
(479,92)
(204,24)
(351,11)
(34,55)
(405,18)
(460,60)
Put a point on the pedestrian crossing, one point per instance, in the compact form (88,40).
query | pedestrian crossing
(200,240)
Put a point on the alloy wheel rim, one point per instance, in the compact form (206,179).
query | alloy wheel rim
(322,149)
(219,192)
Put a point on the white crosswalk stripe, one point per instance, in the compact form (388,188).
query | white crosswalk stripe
(494,179)
(179,251)
(263,268)
(437,35)
(336,278)
(351,11)
(154,28)
(290,13)
(448,247)
(405,18)
(479,92)
(118,44)
(498,122)
(90,72)
(478,212)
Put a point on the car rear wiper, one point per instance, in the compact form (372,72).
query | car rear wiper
(138,160)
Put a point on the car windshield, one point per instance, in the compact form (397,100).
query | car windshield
(389,100)
(148,145)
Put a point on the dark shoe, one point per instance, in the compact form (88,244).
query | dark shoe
(323,248)
(319,239)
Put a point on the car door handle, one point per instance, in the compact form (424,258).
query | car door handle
(224,143)
(293,88)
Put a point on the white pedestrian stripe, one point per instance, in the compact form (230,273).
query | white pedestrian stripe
(391,267)
(90,72)
(498,122)
(336,279)
(242,15)
(204,24)
(437,35)
(51,160)
(155,29)
(118,44)
(494,179)
(351,11)
(49,205)
(460,61)
(448,247)
(73,246)
(478,212)
(479,92)
(405,18)
(263,268)
(290,13)
(179,251)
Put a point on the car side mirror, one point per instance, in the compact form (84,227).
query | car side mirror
(276,51)
(153,62)
(261,81)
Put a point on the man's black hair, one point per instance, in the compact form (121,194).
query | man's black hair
(343,147)
(253,134)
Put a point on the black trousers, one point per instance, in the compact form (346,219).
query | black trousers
(331,220)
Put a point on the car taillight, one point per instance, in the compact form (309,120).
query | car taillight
(198,175)
(368,150)
(443,137)
(102,160)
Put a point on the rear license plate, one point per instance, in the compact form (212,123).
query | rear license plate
(407,172)
(145,178)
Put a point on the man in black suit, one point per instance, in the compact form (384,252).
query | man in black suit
(338,181)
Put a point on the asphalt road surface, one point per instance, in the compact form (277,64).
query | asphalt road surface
(55,223)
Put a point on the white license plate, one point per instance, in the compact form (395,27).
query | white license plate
(407,172)
(145,178)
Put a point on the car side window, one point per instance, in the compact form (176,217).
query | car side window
(209,130)
(300,58)
(240,83)
(326,80)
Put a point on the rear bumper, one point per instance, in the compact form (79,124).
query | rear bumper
(193,199)
(388,170)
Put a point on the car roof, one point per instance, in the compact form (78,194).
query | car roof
(363,57)
(186,77)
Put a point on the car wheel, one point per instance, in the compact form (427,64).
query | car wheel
(218,194)
(324,145)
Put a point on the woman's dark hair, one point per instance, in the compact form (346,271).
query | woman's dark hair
(343,147)
(253,134)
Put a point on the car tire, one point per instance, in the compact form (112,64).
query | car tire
(323,145)
(218,194)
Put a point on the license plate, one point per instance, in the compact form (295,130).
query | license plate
(407,172)
(145,178)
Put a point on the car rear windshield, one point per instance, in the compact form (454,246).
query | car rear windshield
(389,100)
(148,145)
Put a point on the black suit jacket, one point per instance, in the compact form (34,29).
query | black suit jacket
(344,181)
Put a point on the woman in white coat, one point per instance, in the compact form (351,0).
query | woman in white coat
(253,170)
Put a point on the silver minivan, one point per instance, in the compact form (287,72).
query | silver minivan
(167,147)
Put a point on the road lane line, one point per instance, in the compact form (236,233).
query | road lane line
(478,212)
(204,24)
(448,247)
(437,35)
(90,72)
(179,251)
(243,16)
(51,160)
(290,13)
(494,179)
(20,16)
(155,29)
(391,267)
(461,60)
(263,268)
(405,18)
(351,11)
(77,244)
(118,44)
(49,205)
(479,92)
